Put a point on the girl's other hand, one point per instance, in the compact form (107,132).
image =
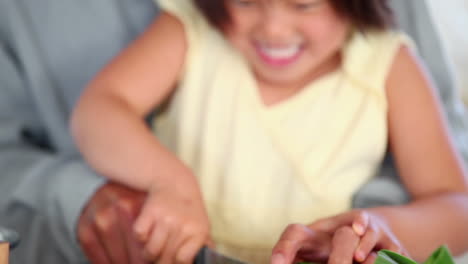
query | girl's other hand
(374,233)
(354,236)
(173,224)
(299,243)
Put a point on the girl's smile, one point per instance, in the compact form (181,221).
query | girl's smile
(287,43)
(279,56)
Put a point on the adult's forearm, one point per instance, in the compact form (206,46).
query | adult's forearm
(428,223)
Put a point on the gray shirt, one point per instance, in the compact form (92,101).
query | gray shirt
(49,50)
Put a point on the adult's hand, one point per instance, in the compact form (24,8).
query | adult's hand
(105,228)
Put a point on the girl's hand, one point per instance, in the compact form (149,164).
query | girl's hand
(299,243)
(352,236)
(374,233)
(173,223)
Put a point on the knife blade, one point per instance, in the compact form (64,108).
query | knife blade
(209,256)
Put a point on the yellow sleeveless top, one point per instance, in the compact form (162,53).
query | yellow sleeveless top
(261,167)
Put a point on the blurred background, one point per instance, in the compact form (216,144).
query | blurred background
(452,21)
(451,18)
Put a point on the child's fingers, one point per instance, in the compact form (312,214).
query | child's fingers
(173,242)
(156,242)
(188,249)
(361,222)
(331,224)
(366,245)
(143,224)
(371,258)
(344,244)
(290,242)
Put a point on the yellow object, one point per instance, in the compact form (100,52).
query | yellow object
(261,167)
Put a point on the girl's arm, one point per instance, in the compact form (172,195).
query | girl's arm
(108,125)
(427,162)
(431,171)
(108,122)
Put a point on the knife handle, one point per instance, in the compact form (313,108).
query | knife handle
(200,257)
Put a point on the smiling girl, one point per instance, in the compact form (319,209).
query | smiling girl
(273,112)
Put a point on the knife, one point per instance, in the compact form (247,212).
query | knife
(209,256)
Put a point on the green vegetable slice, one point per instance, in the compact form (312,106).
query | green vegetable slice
(440,256)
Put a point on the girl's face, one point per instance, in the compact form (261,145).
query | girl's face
(287,42)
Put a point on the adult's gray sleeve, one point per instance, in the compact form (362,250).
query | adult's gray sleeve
(41,192)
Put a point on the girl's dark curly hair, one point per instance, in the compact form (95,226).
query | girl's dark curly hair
(365,14)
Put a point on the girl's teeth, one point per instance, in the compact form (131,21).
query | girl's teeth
(282,53)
